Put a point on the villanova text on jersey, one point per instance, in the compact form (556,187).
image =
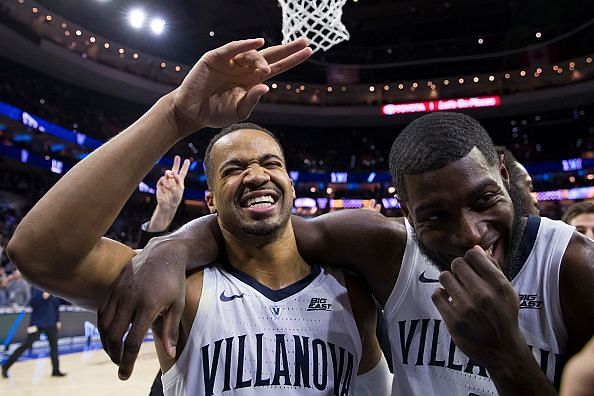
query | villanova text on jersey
(249,340)
(424,342)
(315,364)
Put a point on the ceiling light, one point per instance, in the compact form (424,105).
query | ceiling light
(157,25)
(136,18)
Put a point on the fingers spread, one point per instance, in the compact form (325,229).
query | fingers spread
(234,48)
(290,61)
(276,53)
(184,169)
(252,59)
(176,162)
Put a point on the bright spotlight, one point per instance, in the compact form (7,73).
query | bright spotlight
(157,25)
(136,18)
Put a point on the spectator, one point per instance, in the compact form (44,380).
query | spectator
(19,291)
(45,318)
(581,216)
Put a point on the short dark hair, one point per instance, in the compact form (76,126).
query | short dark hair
(577,209)
(226,131)
(435,140)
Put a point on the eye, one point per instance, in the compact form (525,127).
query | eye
(487,197)
(434,218)
(230,171)
(273,165)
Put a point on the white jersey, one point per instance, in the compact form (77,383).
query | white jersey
(427,362)
(247,339)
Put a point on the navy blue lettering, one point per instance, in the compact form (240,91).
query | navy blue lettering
(347,378)
(281,357)
(452,357)
(318,346)
(338,366)
(421,353)
(434,345)
(210,374)
(405,346)
(228,350)
(259,380)
(301,361)
(241,383)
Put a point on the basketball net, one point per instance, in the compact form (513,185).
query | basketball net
(318,20)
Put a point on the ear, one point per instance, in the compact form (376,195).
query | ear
(211,202)
(293,189)
(503,171)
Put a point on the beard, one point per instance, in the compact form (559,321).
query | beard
(265,231)
(265,227)
(513,259)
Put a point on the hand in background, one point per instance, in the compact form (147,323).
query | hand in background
(170,191)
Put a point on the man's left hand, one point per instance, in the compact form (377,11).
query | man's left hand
(480,309)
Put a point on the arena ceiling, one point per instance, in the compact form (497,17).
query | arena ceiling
(406,34)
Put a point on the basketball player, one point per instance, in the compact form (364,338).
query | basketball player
(516,296)
(581,216)
(263,320)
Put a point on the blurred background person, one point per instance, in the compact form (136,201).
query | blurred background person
(18,290)
(578,377)
(45,318)
(521,181)
(581,216)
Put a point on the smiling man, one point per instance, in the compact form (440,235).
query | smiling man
(515,298)
(264,320)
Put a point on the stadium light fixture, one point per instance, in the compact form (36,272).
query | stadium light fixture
(157,25)
(136,18)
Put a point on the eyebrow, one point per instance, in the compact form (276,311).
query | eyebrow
(239,162)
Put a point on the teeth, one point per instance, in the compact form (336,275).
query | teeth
(261,205)
(260,202)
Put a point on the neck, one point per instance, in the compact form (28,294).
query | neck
(276,264)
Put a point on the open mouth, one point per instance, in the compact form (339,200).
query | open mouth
(260,201)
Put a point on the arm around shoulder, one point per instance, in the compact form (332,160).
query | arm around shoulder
(360,240)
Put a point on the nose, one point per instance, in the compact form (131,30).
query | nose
(590,232)
(469,231)
(256,176)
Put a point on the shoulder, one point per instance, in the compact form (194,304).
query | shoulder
(576,278)
(578,259)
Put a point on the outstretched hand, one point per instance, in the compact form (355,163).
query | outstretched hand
(226,83)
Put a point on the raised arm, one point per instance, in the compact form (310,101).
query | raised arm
(58,245)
